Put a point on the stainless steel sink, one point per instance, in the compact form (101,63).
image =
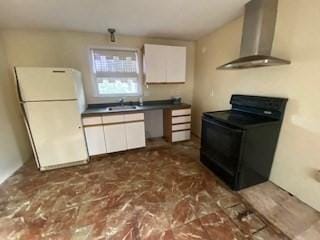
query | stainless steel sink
(120,108)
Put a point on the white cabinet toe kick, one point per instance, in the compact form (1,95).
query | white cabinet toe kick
(114,133)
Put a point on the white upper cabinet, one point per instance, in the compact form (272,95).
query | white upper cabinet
(155,63)
(164,64)
(176,64)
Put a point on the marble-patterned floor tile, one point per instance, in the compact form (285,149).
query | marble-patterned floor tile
(13,228)
(157,193)
(60,222)
(191,231)
(152,221)
(219,227)
(92,212)
(122,223)
(167,235)
(223,197)
(181,211)
(204,204)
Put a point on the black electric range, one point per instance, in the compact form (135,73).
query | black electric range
(238,145)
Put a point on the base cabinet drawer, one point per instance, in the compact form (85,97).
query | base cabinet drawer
(87,121)
(179,127)
(181,112)
(95,140)
(107,119)
(184,119)
(134,117)
(181,136)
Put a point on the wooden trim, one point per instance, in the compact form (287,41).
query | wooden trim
(167,125)
(115,123)
(174,124)
(175,116)
(182,130)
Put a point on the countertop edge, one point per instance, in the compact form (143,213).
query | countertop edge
(100,111)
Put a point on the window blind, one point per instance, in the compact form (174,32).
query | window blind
(116,72)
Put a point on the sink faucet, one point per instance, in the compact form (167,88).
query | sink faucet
(121,101)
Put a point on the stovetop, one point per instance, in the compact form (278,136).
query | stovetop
(239,118)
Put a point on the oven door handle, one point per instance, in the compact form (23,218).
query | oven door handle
(224,126)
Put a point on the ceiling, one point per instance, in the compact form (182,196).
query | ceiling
(179,19)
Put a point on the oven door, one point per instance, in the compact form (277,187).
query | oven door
(220,147)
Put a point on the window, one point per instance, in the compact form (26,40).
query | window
(115,72)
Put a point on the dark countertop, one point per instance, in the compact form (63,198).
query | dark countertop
(98,109)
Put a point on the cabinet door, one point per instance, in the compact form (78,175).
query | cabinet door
(155,63)
(135,135)
(176,64)
(115,136)
(95,140)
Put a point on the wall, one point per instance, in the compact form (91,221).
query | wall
(297,38)
(71,49)
(14,144)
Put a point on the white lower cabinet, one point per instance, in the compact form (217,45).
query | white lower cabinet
(115,136)
(114,133)
(95,140)
(135,133)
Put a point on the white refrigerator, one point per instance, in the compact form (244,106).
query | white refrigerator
(52,100)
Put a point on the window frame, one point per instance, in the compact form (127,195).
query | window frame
(94,84)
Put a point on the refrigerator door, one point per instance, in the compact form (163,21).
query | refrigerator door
(46,84)
(56,132)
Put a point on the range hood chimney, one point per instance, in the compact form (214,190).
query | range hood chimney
(257,37)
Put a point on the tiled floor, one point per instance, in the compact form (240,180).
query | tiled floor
(161,192)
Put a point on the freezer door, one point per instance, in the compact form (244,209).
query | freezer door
(45,84)
(56,131)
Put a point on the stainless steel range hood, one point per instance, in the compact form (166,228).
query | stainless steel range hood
(257,37)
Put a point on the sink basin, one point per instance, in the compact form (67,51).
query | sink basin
(120,108)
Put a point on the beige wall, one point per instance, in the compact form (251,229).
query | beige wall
(298,39)
(71,49)
(14,145)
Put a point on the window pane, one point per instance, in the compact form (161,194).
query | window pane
(116,72)
(114,63)
(113,86)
